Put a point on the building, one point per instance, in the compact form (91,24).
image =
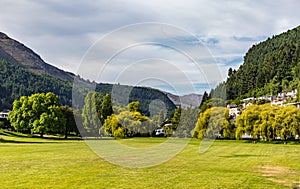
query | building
(246,105)
(269,98)
(4,114)
(248,99)
(296,104)
(234,111)
(289,94)
(278,103)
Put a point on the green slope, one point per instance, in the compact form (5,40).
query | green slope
(269,67)
(17,81)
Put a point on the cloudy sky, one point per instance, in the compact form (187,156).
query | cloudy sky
(179,46)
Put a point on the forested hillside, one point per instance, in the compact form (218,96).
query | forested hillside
(269,67)
(23,72)
(17,81)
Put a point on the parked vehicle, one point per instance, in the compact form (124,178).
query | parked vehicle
(160,132)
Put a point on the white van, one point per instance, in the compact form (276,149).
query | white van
(159,132)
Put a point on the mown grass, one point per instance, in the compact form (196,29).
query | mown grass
(49,163)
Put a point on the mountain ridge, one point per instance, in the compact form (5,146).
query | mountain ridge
(23,72)
(17,53)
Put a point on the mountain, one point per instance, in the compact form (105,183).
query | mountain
(186,101)
(269,67)
(17,53)
(23,72)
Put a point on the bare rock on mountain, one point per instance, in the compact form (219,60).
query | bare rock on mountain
(17,53)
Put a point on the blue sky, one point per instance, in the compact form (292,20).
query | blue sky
(179,46)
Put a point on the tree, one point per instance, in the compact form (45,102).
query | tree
(38,113)
(287,122)
(230,72)
(111,124)
(212,102)
(267,119)
(248,121)
(188,122)
(204,99)
(161,117)
(69,115)
(212,122)
(90,113)
(106,108)
(176,118)
(128,123)
(134,106)
(267,122)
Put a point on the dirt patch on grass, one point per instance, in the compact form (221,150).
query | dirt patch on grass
(281,175)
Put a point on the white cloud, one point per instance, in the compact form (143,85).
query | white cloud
(62,31)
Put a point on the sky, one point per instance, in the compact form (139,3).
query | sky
(178,46)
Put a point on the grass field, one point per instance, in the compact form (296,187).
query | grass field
(47,163)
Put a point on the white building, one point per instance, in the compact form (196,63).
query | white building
(234,111)
(278,103)
(4,114)
(289,94)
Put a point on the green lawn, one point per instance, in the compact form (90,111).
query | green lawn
(48,163)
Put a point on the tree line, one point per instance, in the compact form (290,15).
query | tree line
(263,122)
(42,114)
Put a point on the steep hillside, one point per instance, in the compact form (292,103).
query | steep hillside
(269,67)
(17,53)
(16,81)
(23,72)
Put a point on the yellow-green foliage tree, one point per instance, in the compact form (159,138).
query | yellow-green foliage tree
(248,121)
(128,122)
(287,122)
(212,122)
(38,113)
(268,122)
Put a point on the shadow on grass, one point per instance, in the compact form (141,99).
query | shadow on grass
(20,135)
(295,142)
(56,138)
(242,155)
(13,134)
(20,142)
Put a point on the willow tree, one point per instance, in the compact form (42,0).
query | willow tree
(213,122)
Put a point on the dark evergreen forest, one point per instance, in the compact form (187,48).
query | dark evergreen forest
(269,67)
(17,81)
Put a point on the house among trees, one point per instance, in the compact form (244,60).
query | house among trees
(280,100)
(4,114)
(234,111)
(287,95)
(4,123)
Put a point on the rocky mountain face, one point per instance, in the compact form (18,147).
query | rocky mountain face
(17,53)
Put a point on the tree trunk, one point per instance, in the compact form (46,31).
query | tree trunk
(66,135)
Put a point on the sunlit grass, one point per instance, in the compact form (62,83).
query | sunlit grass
(48,163)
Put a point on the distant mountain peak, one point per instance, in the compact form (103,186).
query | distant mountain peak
(186,101)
